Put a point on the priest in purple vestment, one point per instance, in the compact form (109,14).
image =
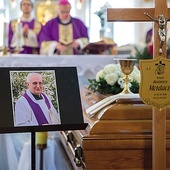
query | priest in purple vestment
(35,107)
(24,32)
(64,34)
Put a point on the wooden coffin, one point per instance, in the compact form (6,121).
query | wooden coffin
(118,136)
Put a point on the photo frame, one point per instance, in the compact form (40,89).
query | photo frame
(59,82)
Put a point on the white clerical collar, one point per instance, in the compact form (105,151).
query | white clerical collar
(26,19)
(66,21)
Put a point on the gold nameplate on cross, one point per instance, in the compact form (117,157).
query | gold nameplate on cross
(155,82)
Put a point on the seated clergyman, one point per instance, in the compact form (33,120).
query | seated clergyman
(64,34)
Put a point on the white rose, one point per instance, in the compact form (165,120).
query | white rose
(135,75)
(135,70)
(100,74)
(110,68)
(137,78)
(111,78)
(122,75)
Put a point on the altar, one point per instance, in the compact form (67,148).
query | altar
(87,65)
(84,63)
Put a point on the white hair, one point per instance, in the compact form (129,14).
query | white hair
(30,75)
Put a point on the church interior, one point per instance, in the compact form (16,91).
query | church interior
(118,128)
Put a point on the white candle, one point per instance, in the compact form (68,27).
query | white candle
(19,33)
(5,37)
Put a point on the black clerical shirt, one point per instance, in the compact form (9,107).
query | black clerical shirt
(37,97)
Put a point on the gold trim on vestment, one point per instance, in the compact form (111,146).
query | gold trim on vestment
(85,41)
(44,46)
(36,29)
(66,37)
(13,25)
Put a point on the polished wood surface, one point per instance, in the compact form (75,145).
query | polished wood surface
(118,136)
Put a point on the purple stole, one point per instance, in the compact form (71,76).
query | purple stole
(41,119)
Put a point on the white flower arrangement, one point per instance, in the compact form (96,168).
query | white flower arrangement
(109,80)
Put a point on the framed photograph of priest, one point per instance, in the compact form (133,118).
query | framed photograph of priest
(34,95)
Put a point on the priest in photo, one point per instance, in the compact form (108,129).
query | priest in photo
(34,107)
(64,35)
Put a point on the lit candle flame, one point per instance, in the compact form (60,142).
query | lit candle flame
(18,20)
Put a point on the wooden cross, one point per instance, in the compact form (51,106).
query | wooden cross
(158,117)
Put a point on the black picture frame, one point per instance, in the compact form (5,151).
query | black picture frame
(68,95)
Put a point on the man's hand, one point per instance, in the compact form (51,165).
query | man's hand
(25,30)
(75,45)
(61,47)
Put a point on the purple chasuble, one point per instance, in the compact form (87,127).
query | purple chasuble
(26,49)
(149,36)
(41,119)
(50,31)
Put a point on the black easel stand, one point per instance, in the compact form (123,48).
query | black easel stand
(33,151)
(41,158)
(41,148)
(81,126)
